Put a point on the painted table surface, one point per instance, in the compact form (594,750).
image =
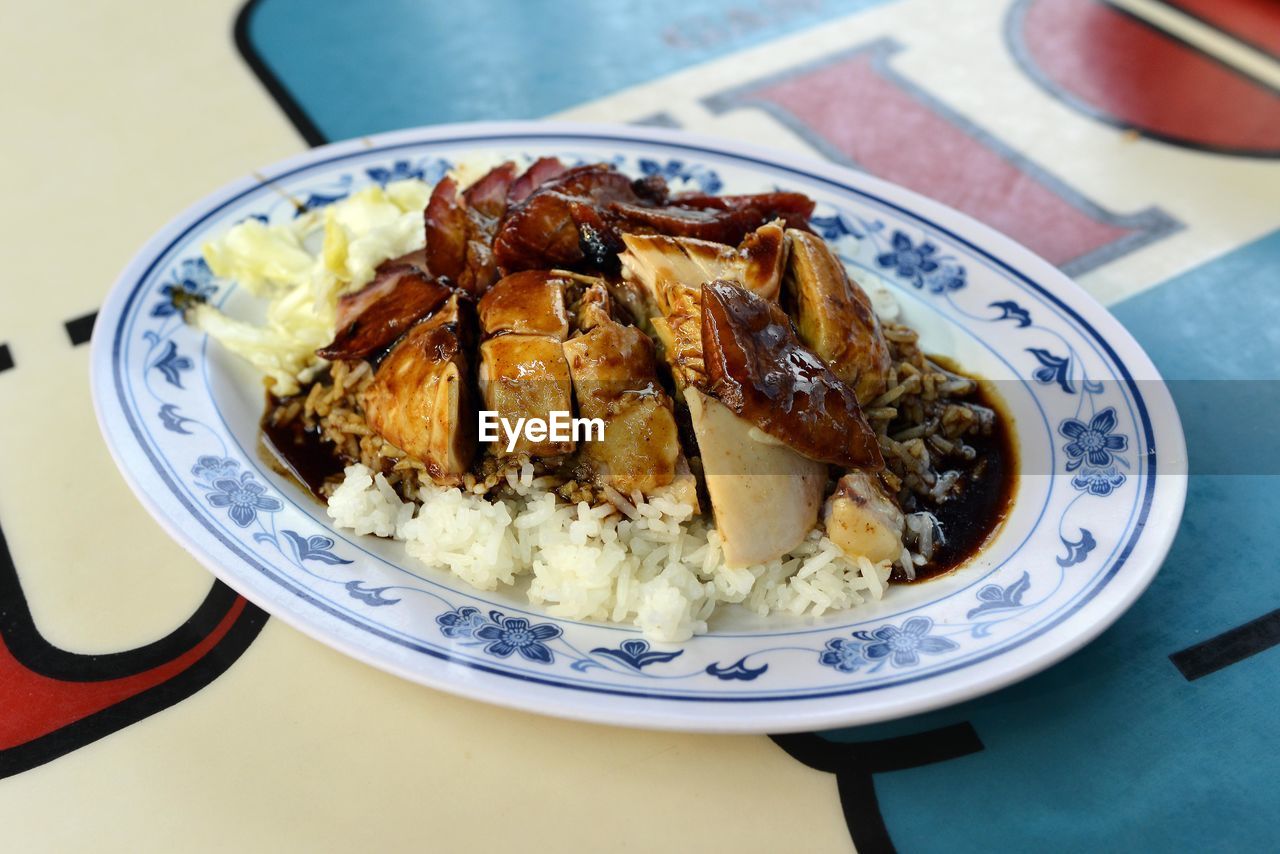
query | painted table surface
(1133,143)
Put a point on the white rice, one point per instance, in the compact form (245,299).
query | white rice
(652,564)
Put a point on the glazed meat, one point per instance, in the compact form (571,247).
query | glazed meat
(757,263)
(460,229)
(834,316)
(539,172)
(529,302)
(614,378)
(793,208)
(758,368)
(551,227)
(420,398)
(664,276)
(726,221)
(372,318)
(525,376)
(577,219)
(523,373)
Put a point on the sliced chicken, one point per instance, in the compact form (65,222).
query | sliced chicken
(757,367)
(614,378)
(862,520)
(835,318)
(765,496)
(526,376)
(420,398)
(596,306)
(530,302)
(679,331)
(372,318)
(654,261)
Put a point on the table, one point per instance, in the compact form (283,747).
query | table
(1134,143)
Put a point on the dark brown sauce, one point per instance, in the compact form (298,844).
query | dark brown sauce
(970,520)
(295,451)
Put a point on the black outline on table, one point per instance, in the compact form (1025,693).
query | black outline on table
(80,329)
(855,765)
(1228,648)
(32,651)
(284,99)
(1013,41)
(6,358)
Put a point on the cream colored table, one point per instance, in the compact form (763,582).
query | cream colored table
(119,115)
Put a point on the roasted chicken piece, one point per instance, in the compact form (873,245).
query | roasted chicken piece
(757,263)
(834,316)
(614,378)
(765,496)
(372,318)
(758,368)
(525,376)
(420,399)
(680,333)
(665,274)
(530,302)
(596,306)
(862,520)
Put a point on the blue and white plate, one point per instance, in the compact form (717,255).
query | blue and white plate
(1102,491)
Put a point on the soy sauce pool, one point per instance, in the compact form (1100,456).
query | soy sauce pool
(972,519)
(296,451)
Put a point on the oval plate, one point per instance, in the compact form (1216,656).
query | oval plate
(1096,509)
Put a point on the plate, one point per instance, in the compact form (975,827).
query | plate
(1100,495)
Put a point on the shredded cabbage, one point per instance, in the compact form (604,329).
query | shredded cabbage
(350,237)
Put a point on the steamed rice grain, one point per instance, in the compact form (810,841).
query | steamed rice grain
(656,567)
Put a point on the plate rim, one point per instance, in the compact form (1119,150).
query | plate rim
(1168,480)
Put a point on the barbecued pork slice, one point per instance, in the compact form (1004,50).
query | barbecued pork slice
(542,170)
(420,399)
(577,219)
(526,376)
(530,302)
(460,228)
(614,378)
(862,520)
(565,215)
(372,318)
(726,222)
(834,316)
(764,495)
